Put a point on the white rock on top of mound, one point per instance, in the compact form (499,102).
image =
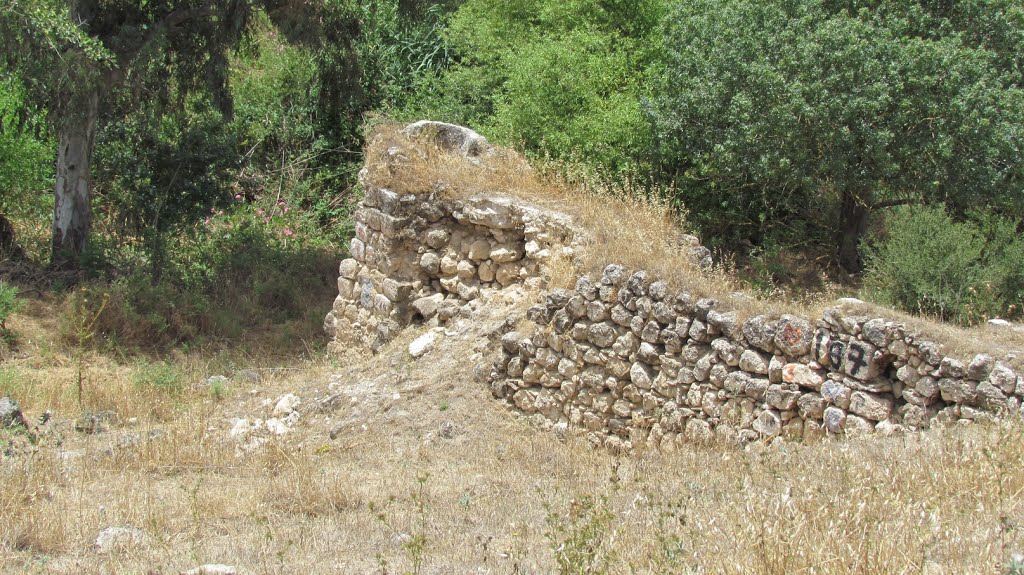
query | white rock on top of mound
(451,137)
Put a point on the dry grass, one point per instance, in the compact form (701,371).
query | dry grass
(426,473)
(429,474)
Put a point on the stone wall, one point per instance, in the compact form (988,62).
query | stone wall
(420,257)
(634,362)
(623,355)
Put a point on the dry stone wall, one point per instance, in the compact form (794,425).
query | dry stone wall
(633,361)
(624,356)
(420,257)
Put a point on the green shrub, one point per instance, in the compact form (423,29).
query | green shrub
(9,303)
(930,264)
(247,268)
(160,375)
(562,79)
(582,537)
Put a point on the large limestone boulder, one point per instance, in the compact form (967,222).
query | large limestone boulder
(451,137)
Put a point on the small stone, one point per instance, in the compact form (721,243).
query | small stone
(957,390)
(834,419)
(586,288)
(285,405)
(658,290)
(811,406)
(781,399)
(875,332)
(426,307)
(980,367)
(759,331)
(479,250)
(506,254)
(856,425)
(212,569)
(430,263)
(768,424)
(487,271)
(424,343)
(698,431)
(754,362)
(118,538)
(601,334)
(990,397)
(641,375)
(793,336)
(278,426)
(802,375)
(348,269)
(240,429)
(871,406)
(10,414)
(953,368)
(437,238)
(775,369)
(1004,378)
(836,393)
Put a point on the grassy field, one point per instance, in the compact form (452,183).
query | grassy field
(398,465)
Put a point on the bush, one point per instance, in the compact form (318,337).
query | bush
(245,269)
(966,272)
(555,78)
(9,303)
(159,375)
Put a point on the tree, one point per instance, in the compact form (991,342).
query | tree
(76,54)
(775,110)
(555,77)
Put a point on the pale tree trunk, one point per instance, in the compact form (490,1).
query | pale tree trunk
(71,192)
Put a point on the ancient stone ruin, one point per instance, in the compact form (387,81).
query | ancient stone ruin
(417,256)
(625,356)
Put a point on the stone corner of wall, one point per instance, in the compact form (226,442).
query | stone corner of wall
(623,355)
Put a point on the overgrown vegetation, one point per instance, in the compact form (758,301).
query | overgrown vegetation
(964,272)
(784,130)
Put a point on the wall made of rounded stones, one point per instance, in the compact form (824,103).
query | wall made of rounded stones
(418,258)
(634,362)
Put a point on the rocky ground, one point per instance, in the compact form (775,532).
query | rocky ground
(403,462)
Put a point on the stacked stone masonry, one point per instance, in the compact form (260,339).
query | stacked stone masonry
(629,359)
(417,257)
(637,363)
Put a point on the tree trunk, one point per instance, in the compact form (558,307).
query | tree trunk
(71,192)
(853,223)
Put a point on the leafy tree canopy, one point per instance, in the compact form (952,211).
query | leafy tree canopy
(773,111)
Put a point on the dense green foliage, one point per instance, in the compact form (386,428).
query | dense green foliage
(227,141)
(957,271)
(556,78)
(791,116)
(26,154)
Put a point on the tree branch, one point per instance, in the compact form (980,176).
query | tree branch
(172,20)
(892,203)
